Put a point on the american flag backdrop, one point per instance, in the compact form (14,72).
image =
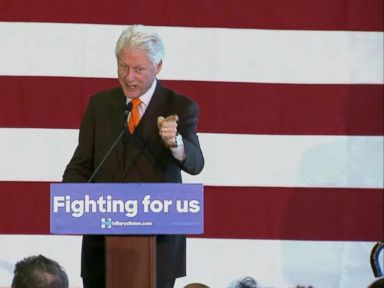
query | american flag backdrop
(291,126)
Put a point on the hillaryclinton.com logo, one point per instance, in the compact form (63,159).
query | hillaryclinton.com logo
(106,223)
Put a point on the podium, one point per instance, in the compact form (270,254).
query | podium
(130,216)
(130,261)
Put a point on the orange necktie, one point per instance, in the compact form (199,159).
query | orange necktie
(134,118)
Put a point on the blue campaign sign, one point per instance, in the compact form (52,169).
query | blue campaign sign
(126,209)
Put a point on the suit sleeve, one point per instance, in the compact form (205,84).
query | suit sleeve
(80,166)
(187,126)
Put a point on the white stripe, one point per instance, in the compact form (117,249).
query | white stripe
(292,161)
(231,159)
(35,154)
(219,262)
(204,54)
(279,264)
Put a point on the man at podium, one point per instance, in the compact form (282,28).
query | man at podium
(159,140)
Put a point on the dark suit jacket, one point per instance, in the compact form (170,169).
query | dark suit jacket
(141,157)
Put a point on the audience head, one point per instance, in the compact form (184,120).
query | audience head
(39,272)
(196,285)
(247,282)
(379,283)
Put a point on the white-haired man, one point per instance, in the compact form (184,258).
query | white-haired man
(161,141)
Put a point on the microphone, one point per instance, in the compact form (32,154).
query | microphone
(128,109)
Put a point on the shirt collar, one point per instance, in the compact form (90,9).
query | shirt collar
(147,96)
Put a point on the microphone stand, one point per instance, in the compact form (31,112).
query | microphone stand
(128,109)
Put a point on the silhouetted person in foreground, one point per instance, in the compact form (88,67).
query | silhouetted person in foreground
(247,282)
(39,272)
(379,283)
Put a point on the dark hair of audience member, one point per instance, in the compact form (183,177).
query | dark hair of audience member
(247,282)
(39,272)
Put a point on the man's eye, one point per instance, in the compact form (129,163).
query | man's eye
(139,69)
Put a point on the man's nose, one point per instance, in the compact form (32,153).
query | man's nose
(129,74)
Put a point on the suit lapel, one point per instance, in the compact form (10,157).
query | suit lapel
(118,120)
(147,128)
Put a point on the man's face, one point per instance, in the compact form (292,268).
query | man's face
(136,72)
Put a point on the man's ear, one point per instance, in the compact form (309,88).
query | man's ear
(158,67)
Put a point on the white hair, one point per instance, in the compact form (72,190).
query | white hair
(143,38)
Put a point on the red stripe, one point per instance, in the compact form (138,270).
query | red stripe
(294,213)
(53,102)
(265,14)
(235,212)
(24,208)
